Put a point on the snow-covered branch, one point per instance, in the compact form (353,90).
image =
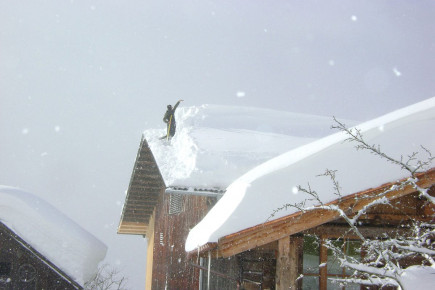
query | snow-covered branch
(411,164)
(383,257)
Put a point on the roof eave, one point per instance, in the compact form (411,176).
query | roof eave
(270,231)
(146,184)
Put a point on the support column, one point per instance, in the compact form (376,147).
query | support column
(287,263)
(209,270)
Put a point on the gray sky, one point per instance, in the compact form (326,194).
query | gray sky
(80,81)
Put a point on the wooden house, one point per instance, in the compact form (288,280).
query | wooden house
(265,244)
(268,256)
(275,254)
(23,267)
(164,216)
(246,249)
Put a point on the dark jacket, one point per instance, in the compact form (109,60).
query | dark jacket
(169,119)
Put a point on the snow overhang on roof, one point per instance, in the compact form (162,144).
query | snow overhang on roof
(40,257)
(145,186)
(63,242)
(274,183)
(213,146)
(297,222)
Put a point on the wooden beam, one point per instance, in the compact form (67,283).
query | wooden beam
(323,283)
(268,232)
(337,231)
(132,228)
(287,263)
(283,264)
(296,251)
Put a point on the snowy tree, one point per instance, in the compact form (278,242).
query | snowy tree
(382,263)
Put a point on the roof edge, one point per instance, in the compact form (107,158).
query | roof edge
(45,260)
(131,207)
(270,231)
(195,191)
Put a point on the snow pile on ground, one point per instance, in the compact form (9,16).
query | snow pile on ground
(215,144)
(251,199)
(51,233)
(423,276)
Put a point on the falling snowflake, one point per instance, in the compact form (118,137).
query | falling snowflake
(240,94)
(295,190)
(397,72)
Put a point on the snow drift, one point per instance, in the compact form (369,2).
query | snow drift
(216,144)
(274,182)
(51,233)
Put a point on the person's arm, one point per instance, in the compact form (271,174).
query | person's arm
(176,105)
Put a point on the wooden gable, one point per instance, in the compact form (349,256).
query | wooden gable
(146,184)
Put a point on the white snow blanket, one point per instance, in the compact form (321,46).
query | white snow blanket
(216,144)
(251,199)
(67,245)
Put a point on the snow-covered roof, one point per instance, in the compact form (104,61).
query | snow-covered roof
(252,198)
(216,144)
(67,245)
(213,146)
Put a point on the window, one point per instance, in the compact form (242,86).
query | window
(319,264)
(350,248)
(310,262)
(175,203)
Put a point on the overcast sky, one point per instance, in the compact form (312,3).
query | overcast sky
(80,81)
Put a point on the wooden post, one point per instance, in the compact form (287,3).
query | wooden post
(209,270)
(323,270)
(287,263)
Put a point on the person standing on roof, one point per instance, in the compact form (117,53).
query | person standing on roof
(169,119)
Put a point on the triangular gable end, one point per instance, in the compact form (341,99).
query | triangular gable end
(146,184)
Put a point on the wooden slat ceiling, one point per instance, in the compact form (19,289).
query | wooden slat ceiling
(146,183)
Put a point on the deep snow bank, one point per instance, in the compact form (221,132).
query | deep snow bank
(51,233)
(274,183)
(216,144)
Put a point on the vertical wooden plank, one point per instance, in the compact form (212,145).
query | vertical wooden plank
(295,261)
(323,270)
(171,267)
(288,263)
(150,251)
(283,264)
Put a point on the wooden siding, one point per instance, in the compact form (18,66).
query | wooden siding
(146,184)
(171,267)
